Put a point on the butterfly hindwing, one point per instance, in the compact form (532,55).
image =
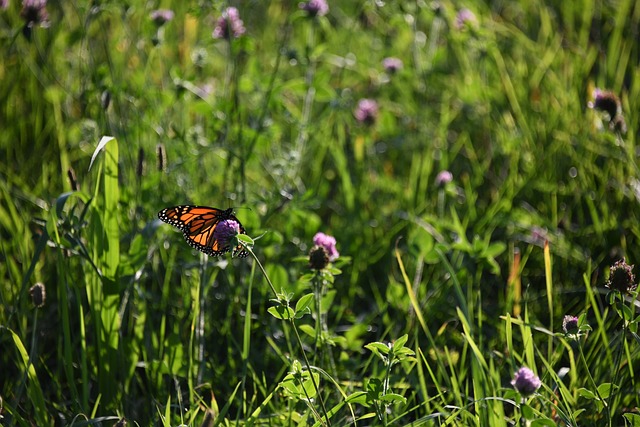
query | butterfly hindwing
(198,224)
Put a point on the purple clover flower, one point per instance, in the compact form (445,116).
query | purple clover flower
(161,16)
(465,18)
(444,177)
(367,111)
(570,325)
(315,7)
(392,65)
(225,231)
(229,25)
(4,4)
(35,12)
(526,382)
(328,243)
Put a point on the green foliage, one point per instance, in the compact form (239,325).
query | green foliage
(445,285)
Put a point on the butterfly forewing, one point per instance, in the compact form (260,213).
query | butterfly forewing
(198,224)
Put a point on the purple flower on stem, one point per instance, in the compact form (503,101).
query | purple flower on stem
(4,4)
(444,177)
(465,18)
(526,382)
(328,243)
(392,65)
(570,325)
(35,12)
(229,25)
(225,231)
(315,7)
(161,16)
(367,111)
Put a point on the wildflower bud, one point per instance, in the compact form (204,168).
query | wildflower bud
(526,382)
(162,157)
(71,174)
(38,294)
(570,325)
(318,258)
(621,277)
(105,99)
(121,423)
(140,166)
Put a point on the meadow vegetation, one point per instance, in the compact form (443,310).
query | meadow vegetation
(476,163)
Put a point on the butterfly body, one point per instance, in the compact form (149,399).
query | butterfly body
(198,225)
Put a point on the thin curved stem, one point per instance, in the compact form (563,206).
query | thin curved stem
(295,329)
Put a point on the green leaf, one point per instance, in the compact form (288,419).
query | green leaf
(374,389)
(282,312)
(588,394)
(304,303)
(334,271)
(359,397)
(627,313)
(605,390)
(245,239)
(393,398)
(34,391)
(379,349)
(308,329)
(400,342)
(527,412)
(541,422)
(633,419)
(291,386)
(575,414)
(306,278)
(101,144)
(379,346)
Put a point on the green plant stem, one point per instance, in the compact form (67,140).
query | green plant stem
(595,386)
(317,291)
(616,374)
(293,325)
(264,273)
(385,386)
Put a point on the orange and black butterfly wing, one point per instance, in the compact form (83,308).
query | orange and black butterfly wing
(198,225)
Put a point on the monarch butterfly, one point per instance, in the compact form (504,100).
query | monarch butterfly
(199,223)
